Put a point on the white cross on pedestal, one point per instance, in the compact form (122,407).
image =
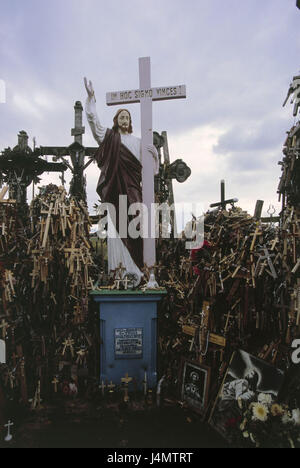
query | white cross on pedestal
(145,95)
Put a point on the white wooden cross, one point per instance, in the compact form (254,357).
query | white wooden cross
(145,95)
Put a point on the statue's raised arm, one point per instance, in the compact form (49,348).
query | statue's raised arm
(89,88)
(91,113)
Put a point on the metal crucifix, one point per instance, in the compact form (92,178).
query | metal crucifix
(145,94)
(77,153)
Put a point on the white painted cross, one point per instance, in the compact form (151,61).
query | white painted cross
(145,95)
(8,438)
(2,352)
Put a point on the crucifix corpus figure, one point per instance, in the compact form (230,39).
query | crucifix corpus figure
(128,165)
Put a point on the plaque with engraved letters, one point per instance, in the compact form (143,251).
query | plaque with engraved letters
(128,343)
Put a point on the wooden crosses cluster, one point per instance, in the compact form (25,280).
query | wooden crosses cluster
(240,289)
(289,194)
(289,184)
(46,268)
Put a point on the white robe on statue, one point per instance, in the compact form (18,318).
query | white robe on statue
(117,252)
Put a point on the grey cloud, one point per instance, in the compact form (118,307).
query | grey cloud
(251,136)
(236,58)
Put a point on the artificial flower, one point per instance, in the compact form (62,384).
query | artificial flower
(296,416)
(287,418)
(277,410)
(265,399)
(260,412)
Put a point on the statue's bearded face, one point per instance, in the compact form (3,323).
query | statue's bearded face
(124,121)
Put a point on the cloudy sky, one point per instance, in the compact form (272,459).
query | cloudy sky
(236,58)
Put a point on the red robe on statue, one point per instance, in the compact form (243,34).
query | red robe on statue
(121,174)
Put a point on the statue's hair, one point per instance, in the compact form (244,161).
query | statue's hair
(116,125)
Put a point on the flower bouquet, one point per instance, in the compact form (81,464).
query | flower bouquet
(268,424)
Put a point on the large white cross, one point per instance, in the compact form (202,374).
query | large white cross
(145,95)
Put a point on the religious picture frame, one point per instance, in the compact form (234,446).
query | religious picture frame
(194,385)
(247,380)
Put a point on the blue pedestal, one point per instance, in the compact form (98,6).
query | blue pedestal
(128,331)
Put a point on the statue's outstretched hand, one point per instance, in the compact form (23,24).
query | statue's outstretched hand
(153,151)
(89,88)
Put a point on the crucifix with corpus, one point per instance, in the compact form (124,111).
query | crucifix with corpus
(128,165)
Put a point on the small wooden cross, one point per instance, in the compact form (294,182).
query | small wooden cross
(55,382)
(116,284)
(120,271)
(228,317)
(4,325)
(52,296)
(192,342)
(68,343)
(126,380)
(258,232)
(103,387)
(45,237)
(81,355)
(126,281)
(110,387)
(36,402)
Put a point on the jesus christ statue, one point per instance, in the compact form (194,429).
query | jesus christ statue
(119,158)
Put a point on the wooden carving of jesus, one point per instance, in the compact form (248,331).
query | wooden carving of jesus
(119,159)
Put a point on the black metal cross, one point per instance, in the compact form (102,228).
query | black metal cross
(77,153)
(21,166)
(222,204)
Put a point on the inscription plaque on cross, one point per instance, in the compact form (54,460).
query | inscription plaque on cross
(145,95)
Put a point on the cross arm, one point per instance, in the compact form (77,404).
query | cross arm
(65,150)
(135,95)
(225,202)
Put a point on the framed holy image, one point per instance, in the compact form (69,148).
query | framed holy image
(248,379)
(194,385)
